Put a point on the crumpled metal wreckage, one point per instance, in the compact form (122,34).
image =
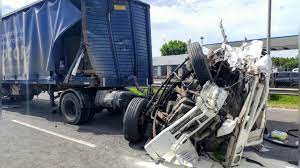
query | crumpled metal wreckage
(216,106)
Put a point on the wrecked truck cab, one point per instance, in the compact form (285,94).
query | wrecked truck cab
(218,105)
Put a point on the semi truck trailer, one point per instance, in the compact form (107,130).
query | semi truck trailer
(87,51)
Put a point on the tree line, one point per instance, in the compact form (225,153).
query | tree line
(285,63)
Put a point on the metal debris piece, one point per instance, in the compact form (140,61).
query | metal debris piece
(173,142)
(227,127)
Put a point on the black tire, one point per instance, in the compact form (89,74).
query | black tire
(199,63)
(91,114)
(71,109)
(294,86)
(133,125)
(89,110)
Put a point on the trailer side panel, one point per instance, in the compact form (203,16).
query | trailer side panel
(29,40)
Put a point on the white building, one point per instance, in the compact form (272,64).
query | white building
(286,46)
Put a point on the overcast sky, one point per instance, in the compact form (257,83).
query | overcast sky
(191,19)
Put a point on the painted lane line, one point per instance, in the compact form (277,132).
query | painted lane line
(56,134)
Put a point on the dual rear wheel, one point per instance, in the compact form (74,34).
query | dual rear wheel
(134,125)
(74,111)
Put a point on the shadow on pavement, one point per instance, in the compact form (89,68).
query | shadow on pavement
(37,108)
(109,123)
(104,123)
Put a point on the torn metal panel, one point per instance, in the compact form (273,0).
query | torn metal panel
(248,57)
(174,140)
(227,127)
(213,97)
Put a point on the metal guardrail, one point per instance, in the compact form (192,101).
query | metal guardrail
(273,91)
(284,91)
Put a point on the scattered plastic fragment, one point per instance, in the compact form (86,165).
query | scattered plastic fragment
(279,135)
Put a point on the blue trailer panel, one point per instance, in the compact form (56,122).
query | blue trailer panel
(118,40)
(40,43)
(87,51)
(29,38)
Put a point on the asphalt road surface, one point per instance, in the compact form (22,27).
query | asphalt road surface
(31,136)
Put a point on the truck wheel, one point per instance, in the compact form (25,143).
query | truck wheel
(91,114)
(294,85)
(71,109)
(199,63)
(133,121)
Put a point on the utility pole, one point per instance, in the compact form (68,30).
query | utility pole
(269,27)
(202,38)
(1,75)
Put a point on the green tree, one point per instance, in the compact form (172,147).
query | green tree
(287,63)
(173,47)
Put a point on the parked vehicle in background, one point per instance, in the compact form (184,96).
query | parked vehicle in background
(295,70)
(286,79)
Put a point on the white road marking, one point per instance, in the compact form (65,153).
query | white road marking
(56,134)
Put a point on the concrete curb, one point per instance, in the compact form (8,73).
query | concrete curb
(282,109)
